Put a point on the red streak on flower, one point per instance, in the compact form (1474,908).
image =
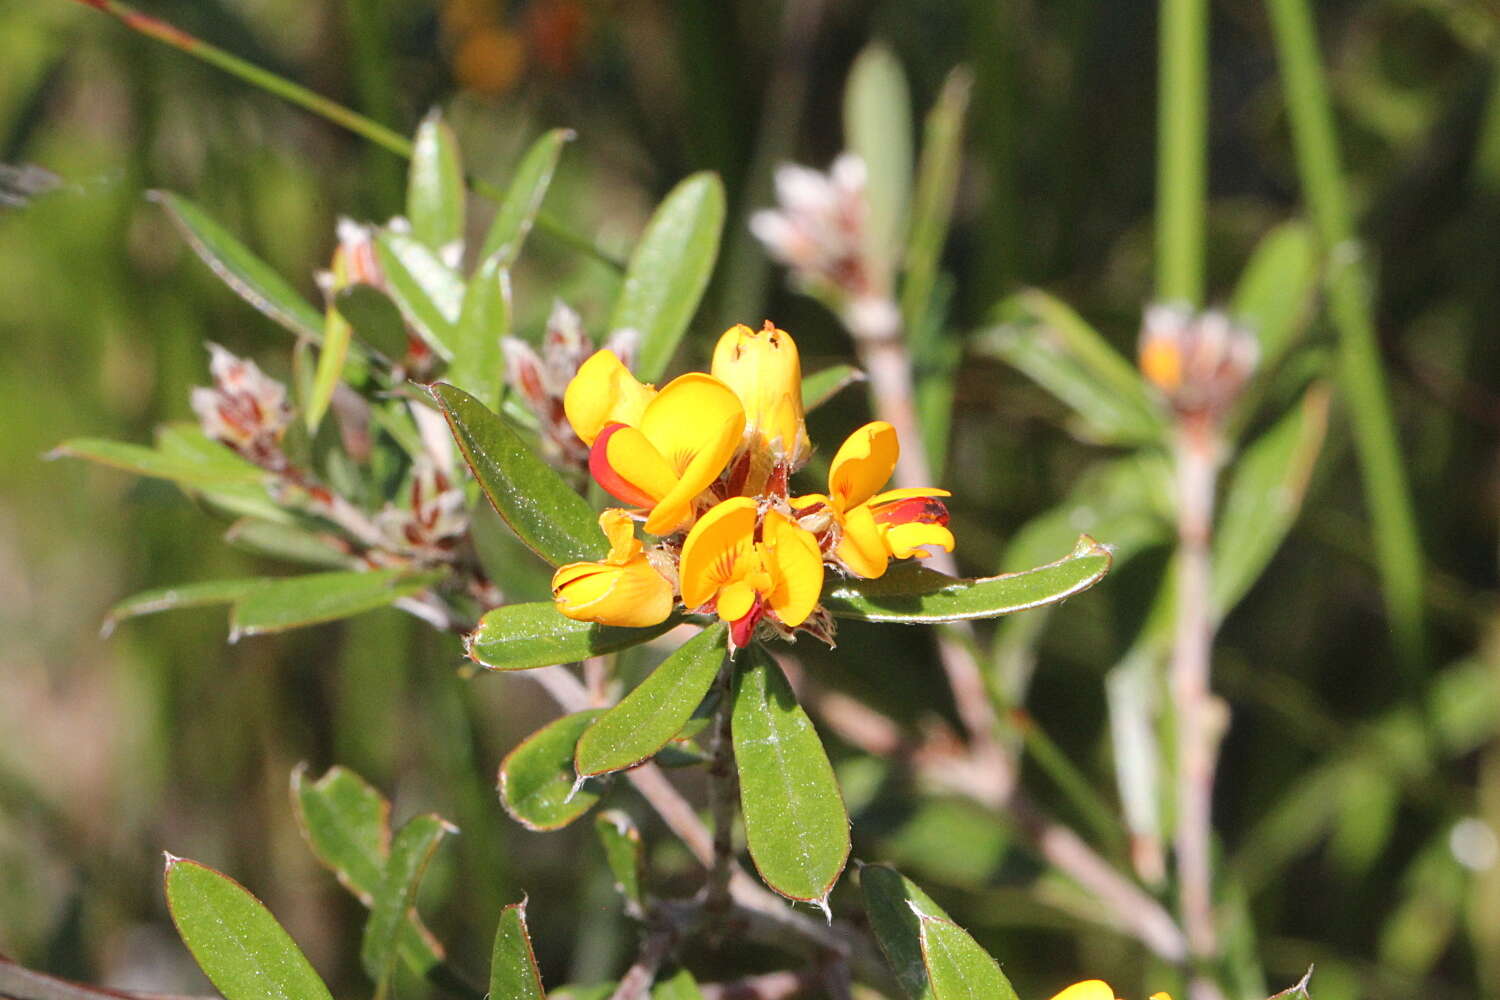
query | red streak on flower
(742,631)
(605,475)
(922,510)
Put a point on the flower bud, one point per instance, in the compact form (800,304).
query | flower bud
(1199,362)
(764,370)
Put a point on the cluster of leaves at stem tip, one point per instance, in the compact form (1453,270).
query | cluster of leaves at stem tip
(417,411)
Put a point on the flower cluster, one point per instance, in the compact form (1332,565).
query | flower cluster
(706,463)
(244,409)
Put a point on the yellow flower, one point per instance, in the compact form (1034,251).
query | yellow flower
(655,450)
(1096,989)
(764,370)
(743,575)
(624,589)
(874,527)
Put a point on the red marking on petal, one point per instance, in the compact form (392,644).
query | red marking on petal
(920,510)
(742,631)
(608,478)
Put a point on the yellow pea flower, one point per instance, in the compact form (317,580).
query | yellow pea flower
(655,450)
(764,369)
(1096,989)
(874,527)
(744,575)
(623,589)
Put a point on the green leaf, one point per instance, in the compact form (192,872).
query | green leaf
(220,468)
(622,852)
(536,634)
(544,512)
(276,540)
(1048,341)
(513,971)
(889,901)
(429,292)
(537,784)
(937,183)
(957,968)
(819,387)
(1263,499)
(251,278)
(376,319)
(878,126)
(292,602)
(478,367)
(396,899)
(337,333)
(185,595)
(523,198)
(795,823)
(910,593)
(669,269)
(1278,288)
(234,939)
(435,185)
(655,712)
(679,986)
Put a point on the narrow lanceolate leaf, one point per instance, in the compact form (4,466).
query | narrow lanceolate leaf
(224,468)
(537,784)
(878,126)
(1275,295)
(622,852)
(234,939)
(246,274)
(186,595)
(1056,348)
(293,602)
(911,593)
(536,634)
(795,822)
(957,968)
(376,319)
(544,512)
(932,206)
(478,367)
(889,901)
(288,542)
(346,823)
(821,386)
(435,185)
(513,971)
(655,712)
(1263,499)
(679,986)
(669,269)
(396,898)
(429,292)
(523,198)
(337,334)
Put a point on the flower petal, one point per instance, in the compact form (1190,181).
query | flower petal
(602,393)
(633,595)
(1093,989)
(716,550)
(687,417)
(674,511)
(912,539)
(795,564)
(862,464)
(625,464)
(765,371)
(861,547)
(620,530)
(735,601)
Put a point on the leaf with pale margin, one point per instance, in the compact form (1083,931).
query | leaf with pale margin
(957,968)
(251,278)
(536,634)
(654,713)
(288,542)
(185,595)
(429,293)
(199,471)
(295,601)
(821,386)
(234,939)
(669,270)
(513,971)
(523,198)
(622,852)
(435,184)
(795,823)
(910,593)
(338,333)
(478,367)
(889,898)
(396,899)
(544,512)
(536,780)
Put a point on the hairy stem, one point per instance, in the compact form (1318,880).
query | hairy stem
(722,791)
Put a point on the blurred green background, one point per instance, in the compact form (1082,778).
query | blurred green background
(1347,789)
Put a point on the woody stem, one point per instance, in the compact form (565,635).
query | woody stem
(722,788)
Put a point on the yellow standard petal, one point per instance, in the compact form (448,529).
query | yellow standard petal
(695,423)
(765,371)
(717,551)
(632,595)
(861,547)
(1093,989)
(792,560)
(602,393)
(862,465)
(629,467)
